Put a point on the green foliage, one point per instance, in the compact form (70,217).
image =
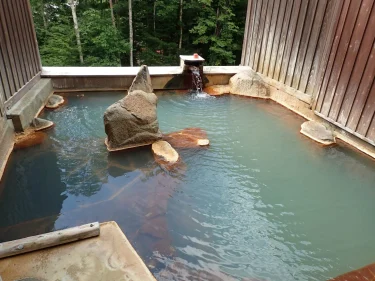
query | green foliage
(212,28)
(103,44)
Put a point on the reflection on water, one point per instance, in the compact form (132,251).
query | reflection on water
(261,203)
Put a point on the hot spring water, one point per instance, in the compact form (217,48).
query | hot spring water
(262,202)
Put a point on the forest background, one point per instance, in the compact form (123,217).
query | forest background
(136,32)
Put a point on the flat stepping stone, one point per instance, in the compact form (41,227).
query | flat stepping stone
(318,132)
(165,151)
(55,101)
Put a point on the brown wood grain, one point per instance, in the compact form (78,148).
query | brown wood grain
(261,34)
(246,33)
(352,54)
(266,35)
(256,30)
(296,44)
(341,55)
(16,42)
(329,26)
(250,35)
(304,43)
(32,33)
(362,75)
(294,33)
(271,37)
(363,92)
(368,113)
(276,41)
(311,52)
(283,38)
(371,131)
(332,56)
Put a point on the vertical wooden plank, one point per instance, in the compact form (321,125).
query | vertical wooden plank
(312,45)
(271,38)
(296,44)
(23,41)
(359,73)
(351,57)
(256,31)
(266,37)
(332,56)
(33,60)
(371,132)
(356,109)
(4,49)
(283,39)
(17,42)
(7,32)
(32,33)
(329,26)
(368,113)
(276,41)
(291,37)
(261,35)
(341,55)
(254,9)
(7,92)
(246,34)
(311,11)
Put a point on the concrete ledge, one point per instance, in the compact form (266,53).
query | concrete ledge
(109,256)
(120,78)
(52,72)
(6,143)
(24,111)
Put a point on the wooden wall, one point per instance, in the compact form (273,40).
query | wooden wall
(347,94)
(324,48)
(20,65)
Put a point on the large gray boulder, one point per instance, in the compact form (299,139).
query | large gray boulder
(132,121)
(318,132)
(249,83)
(142,81)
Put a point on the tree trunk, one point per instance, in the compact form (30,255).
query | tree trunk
(180,42)
(112,14)
(154,16)
(44,16)
(131,32)
(72,5)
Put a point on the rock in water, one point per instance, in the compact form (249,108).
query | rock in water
(249,83)
(317,132)
(54,101)
(142,81)
(132,121)
(187,138)
(164,150)
(39,124)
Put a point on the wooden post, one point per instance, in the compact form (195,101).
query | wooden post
(38,242)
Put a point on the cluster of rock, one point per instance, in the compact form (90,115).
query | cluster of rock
(132,122)
(246,83)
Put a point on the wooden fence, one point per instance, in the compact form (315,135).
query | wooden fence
(324,48)
(20,65)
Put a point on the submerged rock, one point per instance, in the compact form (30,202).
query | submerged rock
(132,122)
(318,132)
(142,81)
(164,150)
(217,90)
(29,138)
(187,138)
(55,101)
(249,83)
(364,273)
(39,124)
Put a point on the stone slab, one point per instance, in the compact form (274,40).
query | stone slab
(25,110)
(107,257)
